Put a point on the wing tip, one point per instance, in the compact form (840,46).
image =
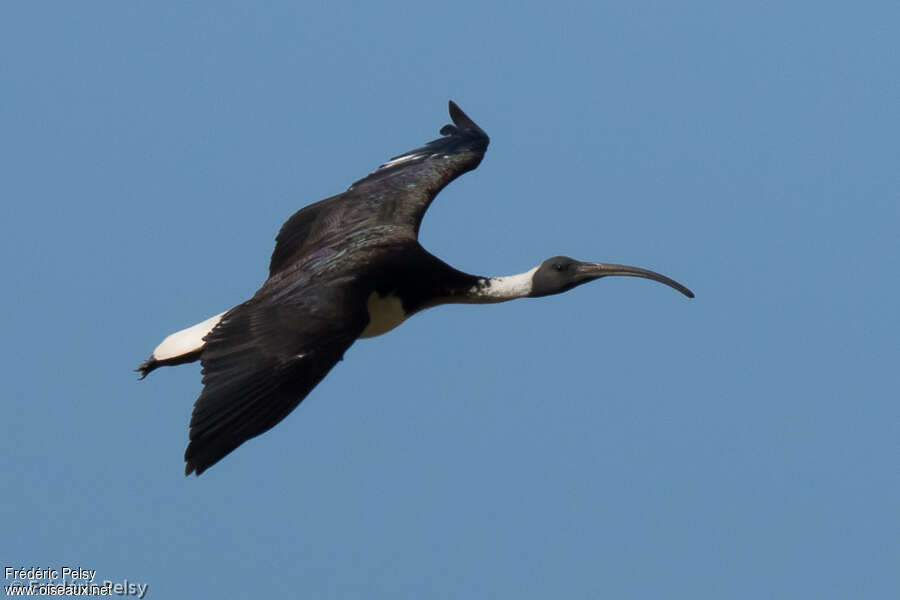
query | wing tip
(190,467)
(464,135)
(462,123)
(195,462)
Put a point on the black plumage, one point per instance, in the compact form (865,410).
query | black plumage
(266,354)
(336,266)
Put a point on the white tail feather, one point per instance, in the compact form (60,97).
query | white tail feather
(185,341)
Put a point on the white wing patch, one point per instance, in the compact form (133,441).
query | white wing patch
(187,340)
(401,159)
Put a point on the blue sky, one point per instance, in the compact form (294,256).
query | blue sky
(619,441)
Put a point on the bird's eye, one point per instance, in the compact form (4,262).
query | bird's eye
(559,266)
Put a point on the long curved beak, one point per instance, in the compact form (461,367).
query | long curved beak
(597,270)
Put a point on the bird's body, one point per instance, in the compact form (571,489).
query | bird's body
(346,267)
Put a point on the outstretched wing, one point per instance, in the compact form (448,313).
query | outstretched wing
(434,165)
(262,359)
(265,355)
(398,193)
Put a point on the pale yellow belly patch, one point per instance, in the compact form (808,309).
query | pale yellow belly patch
(385,313)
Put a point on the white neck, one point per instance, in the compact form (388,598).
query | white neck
(509,287)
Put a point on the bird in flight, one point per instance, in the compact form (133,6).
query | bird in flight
(346,267)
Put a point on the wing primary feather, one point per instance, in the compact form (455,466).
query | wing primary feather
(262,360)
(265,355)
(463,122)
(397,194)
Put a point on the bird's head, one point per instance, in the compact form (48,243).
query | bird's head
(561,274)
